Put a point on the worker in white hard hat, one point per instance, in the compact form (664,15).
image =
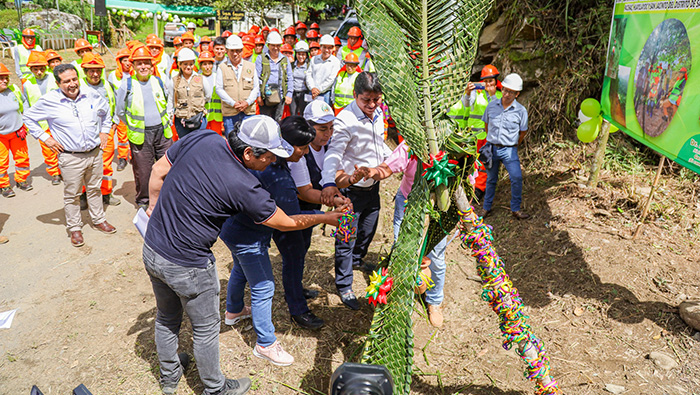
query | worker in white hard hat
(191,27)
(189,93)
(323,68)
(276,79)
(506,127)
(237,85)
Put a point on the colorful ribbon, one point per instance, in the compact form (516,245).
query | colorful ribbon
(345,231)
(439,169)
(379,285)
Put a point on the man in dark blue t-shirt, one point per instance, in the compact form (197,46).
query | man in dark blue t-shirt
(207,182)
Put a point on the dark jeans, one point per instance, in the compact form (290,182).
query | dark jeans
(289,245)
(274,112)
(183,131)
(366,204)
(510,159)
(143,156)
(196,291)
(298,104)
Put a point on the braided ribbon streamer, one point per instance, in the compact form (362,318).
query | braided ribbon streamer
(345,231)
(505,301)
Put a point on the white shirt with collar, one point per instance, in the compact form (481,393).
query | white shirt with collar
(75,124)
(321,73)
(357,140)
(225,97)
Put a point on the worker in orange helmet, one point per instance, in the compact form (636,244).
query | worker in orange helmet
(290,36)
(177,43)
(259,48)
(36,85)
(161,60)
(337,44)
(151,36)
(344,85)
(124,70)
(314,49)
(188,40)
(254,30)
(301,31)
(288,51)
(53,58)
(93,67)
(354,45)
(82,46)
(226,34)
(213,105)
(22,52)
(204,44)
(314,27)
(248,47)
(312,36)
(264,32)
(13,136)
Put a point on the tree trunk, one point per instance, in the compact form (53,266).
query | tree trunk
(599,155)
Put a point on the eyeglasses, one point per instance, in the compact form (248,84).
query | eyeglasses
(75,109)
(509,92)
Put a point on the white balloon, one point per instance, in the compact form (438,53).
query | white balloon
(582,117)
(150,15)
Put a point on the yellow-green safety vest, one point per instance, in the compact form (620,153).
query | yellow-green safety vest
(344,51)
(18,96)
(213,107)
(344,86)
(135,115)
(31,89)
(111,97)
(24,57)
(466,116)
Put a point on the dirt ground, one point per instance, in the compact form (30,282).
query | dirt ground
(600,301)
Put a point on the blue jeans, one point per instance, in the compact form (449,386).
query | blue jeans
(229,122)
(434,295)
(511,161)
(326,97)
(251,264)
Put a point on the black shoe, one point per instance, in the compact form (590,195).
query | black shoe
(83,201)
(171,388)
(309,293)
(25,186)
(365,267)
(7,192)
(308,320)
(121,164)
(236,387)
(111,200)
(349,299)
(56,180)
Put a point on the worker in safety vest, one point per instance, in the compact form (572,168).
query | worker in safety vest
(248,47)
(161,60)
(674,98)
(259,48)
(213,105)
(13,136)
(36,85)
(124,70)
(354,45)
(191,27)
(142,104)
(189,93)
(467,112)
(82,46)
(53,58)
(22,52)
(237,85)
(188,40)
(93,68)
(345,83)
(290,36)
(219,51)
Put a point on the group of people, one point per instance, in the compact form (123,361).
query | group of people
(298,133)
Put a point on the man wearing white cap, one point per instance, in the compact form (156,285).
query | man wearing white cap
(506,127)
(323,69)
(236,84)
(186,222)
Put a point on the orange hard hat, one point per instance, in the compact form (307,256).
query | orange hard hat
(314,44)
(205,39)
(312,34)
(51,55)
(82,43)
(226,34)
(92,61)
(141,53)
(315,26)
(354,32)
(28,32)
(683,70)
(123,53)
(337,41)
(133,44)
(259,40)
(266,29)
(274,29)
(187,36)
(352,58)
(4,70)
(37,58)
(301,25)
(255,29)
(177,41)
(152,35)
(286,48)
(248,39)
(206,56)
(489,71)
(290,31)
(154,42)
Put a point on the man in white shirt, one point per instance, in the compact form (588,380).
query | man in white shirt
(237,85)
(358,140)
(80,123)
(323,69)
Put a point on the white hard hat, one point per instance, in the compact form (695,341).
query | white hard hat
(191,25)
(301,46)
(326,39)
(186,54)
(513,82)
(234,42)
(274,38)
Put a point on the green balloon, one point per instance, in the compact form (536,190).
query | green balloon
(588,131)
(590,108)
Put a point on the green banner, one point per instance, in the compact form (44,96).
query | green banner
(650,90)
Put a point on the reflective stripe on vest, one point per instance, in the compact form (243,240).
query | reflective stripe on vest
(478,109)
(344,86)
(24,57)
(214,107)
(135,117)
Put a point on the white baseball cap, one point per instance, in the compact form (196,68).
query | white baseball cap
(318,111)
(186,54)
(261,131)
(274,38)
(234,42)
(326,39)
(301,46)
(191,25)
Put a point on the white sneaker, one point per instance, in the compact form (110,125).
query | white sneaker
(274,353)
(236,318)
